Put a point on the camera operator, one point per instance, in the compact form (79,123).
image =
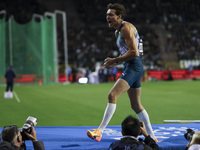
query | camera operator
(131,129)
(12,139)
(194,144)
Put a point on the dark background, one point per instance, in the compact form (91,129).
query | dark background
(170,28)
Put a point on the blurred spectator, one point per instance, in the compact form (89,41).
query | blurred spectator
(10,75)
(68,71)
(114,72)
(185,41)
(74,72)
(100,74)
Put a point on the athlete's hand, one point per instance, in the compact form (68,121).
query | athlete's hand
(109,62)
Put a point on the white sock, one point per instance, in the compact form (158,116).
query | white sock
(143,116)
(110,109)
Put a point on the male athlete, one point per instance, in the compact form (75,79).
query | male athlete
(128,44)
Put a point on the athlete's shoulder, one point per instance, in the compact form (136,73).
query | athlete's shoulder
(128,27)
(127,24)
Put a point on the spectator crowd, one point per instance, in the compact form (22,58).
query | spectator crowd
(93,41)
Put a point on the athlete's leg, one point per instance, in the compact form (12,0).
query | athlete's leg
(120,87)
(134,96)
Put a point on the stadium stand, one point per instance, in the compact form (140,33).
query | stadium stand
(170,33)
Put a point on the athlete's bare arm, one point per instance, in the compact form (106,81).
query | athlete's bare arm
(128,32)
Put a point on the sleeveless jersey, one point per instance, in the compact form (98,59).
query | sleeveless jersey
(121,44)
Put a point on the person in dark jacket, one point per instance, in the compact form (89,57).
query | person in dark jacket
(12,139)
(131,129)
(10,75)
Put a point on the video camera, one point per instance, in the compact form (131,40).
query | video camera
(30,122)
(189,134)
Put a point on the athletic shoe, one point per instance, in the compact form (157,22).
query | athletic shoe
(95,135)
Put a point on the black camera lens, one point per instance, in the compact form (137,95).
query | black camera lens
(188,134)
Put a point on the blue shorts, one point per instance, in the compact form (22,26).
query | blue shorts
(132,72)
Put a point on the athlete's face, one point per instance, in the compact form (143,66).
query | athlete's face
(111,17)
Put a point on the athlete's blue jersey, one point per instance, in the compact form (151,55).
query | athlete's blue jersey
(121,44)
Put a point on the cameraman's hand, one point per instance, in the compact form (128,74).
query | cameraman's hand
(143,129)
(32,135)
(188,145)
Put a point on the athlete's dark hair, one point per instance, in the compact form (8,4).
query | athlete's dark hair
(118,8)
(131,126)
